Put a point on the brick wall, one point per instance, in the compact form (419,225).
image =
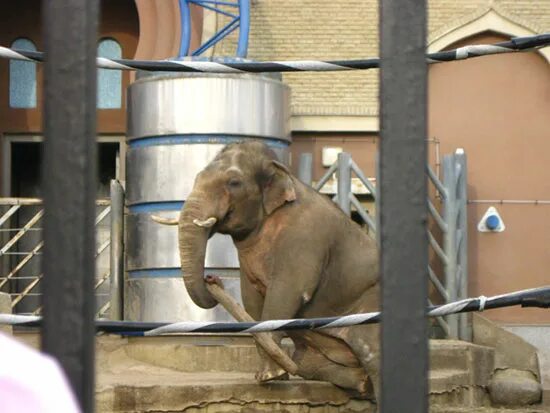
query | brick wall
(334,29)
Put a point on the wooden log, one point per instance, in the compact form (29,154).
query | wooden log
(263,339)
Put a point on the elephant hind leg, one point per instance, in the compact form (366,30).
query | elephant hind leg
(313,365)
(364,342)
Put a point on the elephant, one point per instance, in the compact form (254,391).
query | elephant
(300,257)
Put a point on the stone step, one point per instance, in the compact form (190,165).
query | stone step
(210,373)
(137,387)
(238,353)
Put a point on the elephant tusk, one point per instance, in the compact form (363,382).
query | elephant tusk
(165,221)
(207,223)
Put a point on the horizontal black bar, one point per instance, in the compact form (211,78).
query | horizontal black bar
(515,44)
(536,298)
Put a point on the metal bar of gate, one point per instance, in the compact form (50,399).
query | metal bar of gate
(117,251)
(403,206)
(305,168)
(344,182)
(462,195)
(69,174)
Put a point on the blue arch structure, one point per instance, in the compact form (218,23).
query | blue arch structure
(239,19)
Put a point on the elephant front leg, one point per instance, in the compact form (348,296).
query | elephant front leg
(253,303)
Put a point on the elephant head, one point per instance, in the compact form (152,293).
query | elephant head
(233,195)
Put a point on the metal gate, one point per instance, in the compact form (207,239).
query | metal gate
(447,209)
(21,253)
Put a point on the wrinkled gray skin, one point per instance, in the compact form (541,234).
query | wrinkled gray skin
(300,256)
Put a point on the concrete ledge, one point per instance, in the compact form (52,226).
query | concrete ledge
(156,390)
(209,373)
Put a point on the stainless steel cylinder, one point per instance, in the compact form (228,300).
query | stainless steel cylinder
(176,126)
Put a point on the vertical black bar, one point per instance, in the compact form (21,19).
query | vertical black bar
(403,199)
(69,187)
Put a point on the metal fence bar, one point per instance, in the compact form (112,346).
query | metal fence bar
(102,247)
(101,280)
(305,168)
(27,290)
(70,37)
(19,253)
(465,330)
(450,237)
(103,309)
(344,182)
(102,215)
(18,229)
(362,213)
(437,183)
(437,284)
(403,201)
(22,263)
(441,321)
(368,184)
(17,236)
(437,248)
(8,214)
(117,251)
(39,201)
(437,217)
(324,179)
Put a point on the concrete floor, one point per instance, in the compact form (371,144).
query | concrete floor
(208,373)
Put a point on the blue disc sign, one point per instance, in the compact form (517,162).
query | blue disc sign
(492,222)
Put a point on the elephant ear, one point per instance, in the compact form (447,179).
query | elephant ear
(277,186)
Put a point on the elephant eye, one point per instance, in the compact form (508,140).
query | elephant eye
(234,183)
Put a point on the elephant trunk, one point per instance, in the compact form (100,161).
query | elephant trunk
(192,245)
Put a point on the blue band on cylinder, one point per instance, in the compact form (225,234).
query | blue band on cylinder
(197,139)
(148,207)
(155,273)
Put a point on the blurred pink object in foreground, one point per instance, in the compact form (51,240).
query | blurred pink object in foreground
(32,382)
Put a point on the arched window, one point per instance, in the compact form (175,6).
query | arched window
(109,82)
(22,78)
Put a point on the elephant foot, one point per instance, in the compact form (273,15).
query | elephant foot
(265,375)
(363,391)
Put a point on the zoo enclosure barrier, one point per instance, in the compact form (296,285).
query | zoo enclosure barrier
(22,244)
(450,249)
(70,35)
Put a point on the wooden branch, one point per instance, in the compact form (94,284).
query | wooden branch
(263,339)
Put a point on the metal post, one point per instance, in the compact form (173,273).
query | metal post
(117,251)
(305,168)
(69,188)
(403,201)
(344,182)
(449,238)
(465,331)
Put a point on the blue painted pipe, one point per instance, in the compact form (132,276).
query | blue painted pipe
(185,24)
(244,11)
